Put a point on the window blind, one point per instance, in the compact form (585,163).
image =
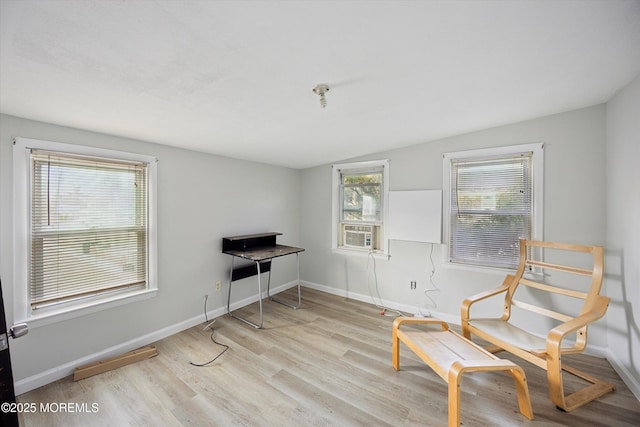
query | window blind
(88,227)
(491,208)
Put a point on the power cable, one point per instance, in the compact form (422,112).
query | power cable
(210,325)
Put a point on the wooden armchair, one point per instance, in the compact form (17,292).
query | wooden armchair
(546,300)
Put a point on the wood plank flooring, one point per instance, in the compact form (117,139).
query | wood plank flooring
(325,364)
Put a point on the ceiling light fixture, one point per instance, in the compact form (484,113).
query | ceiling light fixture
(321,89)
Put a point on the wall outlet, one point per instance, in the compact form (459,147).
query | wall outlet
(218,286)
(413,284)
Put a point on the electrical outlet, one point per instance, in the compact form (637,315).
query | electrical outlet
(218,286)
(413,284)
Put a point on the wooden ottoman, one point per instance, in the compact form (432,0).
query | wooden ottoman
(450,355)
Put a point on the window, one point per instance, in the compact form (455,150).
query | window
(87,237)
(360,206)
(494,198)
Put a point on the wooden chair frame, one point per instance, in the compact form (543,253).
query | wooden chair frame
(547,352)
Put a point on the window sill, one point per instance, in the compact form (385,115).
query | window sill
(478,269)
(491,270)
(82,309)
(360,252)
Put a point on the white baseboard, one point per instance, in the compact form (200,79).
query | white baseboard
(592,350)
(454,320)
(38,380)
(50,375)
(624,373)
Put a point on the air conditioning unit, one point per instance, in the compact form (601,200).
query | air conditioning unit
(358,236)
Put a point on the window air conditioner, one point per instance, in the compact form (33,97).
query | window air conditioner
(358,236)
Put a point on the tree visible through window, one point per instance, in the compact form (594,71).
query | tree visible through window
(360,212)
(361,197)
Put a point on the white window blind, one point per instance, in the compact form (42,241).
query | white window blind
(89,227)
(491,207)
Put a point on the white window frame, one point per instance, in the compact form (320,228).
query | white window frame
(335,197)
(537,170)
(21,237)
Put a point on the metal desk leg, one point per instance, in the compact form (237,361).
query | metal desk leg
(248,322)
(299,296)
(230,281)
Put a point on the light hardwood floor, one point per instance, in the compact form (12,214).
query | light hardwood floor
(326,364)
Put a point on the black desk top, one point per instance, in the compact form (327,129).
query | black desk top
(253,236)
(262,253)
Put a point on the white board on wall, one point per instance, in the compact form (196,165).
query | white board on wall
(415,216)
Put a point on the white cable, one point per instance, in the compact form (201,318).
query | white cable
(375,276)
(431,302)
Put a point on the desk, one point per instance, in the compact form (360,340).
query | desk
(261,249)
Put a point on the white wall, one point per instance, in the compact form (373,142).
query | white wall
(574,212)
(245,197)
(623,233)
(201,198)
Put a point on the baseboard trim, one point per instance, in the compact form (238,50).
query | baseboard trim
(410,309)
(624,373)
(50,375)
(54,374)
(591,350)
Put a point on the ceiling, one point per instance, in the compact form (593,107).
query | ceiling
(235,78)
